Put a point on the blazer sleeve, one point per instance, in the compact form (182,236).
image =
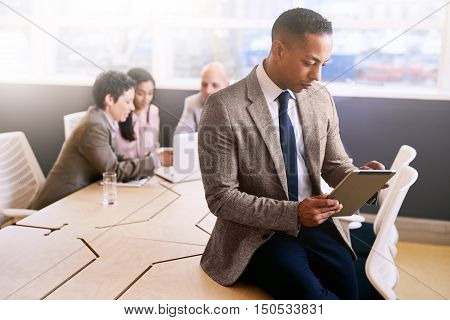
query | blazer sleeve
(219,165)
(187,122)
(95,146)
(336,163)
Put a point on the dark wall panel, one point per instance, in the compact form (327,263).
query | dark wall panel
(375,128)
(171,104)
(38,111)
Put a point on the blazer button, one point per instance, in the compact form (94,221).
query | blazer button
(265,236)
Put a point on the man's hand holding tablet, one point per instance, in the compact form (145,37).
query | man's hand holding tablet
(358,187)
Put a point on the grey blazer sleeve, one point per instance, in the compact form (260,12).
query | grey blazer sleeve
(336,163)
(187,123)
(94,145)
(218,152)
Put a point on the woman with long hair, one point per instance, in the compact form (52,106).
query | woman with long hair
(139,133)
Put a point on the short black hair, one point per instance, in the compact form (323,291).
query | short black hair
(299,21)
(111,82)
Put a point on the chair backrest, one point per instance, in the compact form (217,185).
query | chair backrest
(21,176)
(71,121)
(380,267)
(405,156)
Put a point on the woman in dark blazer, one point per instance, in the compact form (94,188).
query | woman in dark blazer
(90,150)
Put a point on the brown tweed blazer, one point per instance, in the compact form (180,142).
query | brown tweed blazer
(244,175)
(88,153)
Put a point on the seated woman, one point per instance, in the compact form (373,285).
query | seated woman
(139,133)
(90,150)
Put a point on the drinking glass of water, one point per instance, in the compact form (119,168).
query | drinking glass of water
(109,188)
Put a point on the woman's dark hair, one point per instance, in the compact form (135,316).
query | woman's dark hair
(126,128)
(140,75)
(110,82)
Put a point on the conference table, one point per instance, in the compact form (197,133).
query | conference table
(147,245)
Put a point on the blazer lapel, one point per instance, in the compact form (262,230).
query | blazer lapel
(311,139)
(259,111)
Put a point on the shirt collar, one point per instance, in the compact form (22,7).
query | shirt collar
(113,125)
(270,90)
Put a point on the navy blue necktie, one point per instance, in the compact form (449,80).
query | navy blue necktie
(288,145)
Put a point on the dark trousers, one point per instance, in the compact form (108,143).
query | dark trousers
(363,239)
(315,265)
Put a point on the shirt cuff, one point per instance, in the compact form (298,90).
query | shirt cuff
(373,201)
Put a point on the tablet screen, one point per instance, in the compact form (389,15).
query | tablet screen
(357,188)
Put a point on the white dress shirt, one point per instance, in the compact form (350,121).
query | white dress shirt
(113,125)
(271,92)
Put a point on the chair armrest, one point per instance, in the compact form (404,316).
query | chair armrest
(354,225)
(351,222)
(12,213)
(352,218)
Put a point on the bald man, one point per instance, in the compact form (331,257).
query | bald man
(213,79)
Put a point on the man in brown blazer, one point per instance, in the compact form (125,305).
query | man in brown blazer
(90,149)
(264,142)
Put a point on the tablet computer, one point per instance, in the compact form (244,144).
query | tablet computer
(357,188)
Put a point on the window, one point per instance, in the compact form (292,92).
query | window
(387,44)
(174,39)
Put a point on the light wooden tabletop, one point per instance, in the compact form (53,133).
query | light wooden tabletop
(146,246)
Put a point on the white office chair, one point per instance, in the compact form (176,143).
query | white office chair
(405,156)
(366,236)
(380,267)
(21,177)
(71,121)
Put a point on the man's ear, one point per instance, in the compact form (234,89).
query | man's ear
(278,49)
